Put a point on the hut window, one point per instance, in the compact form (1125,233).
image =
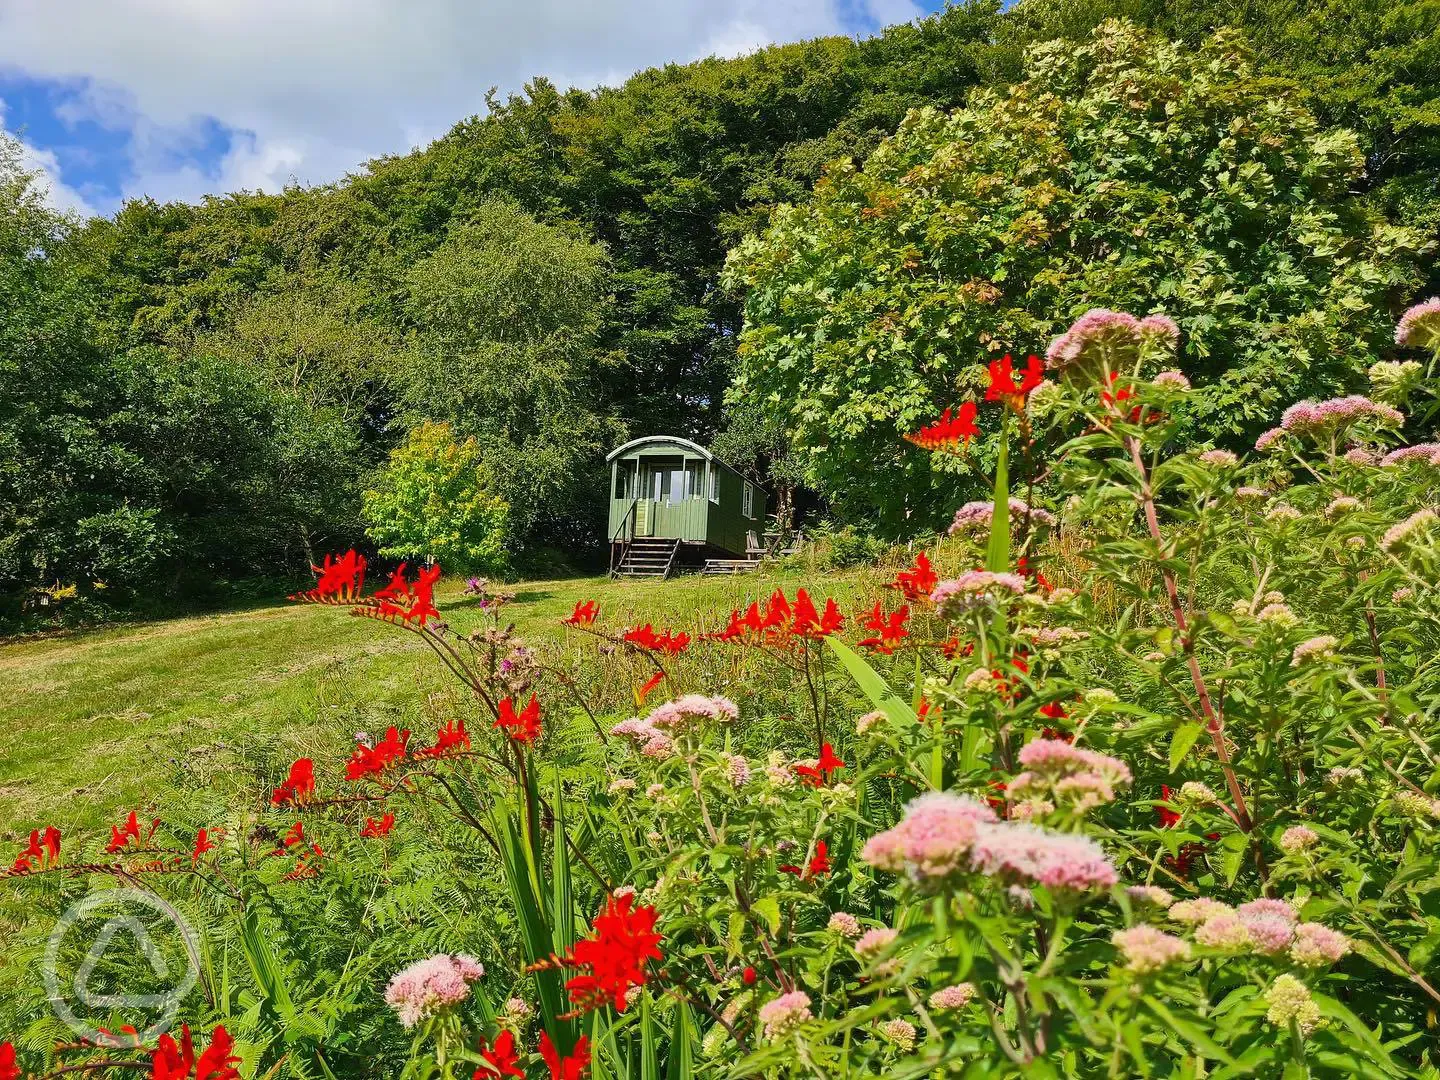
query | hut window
(677,484)
(694,480)
(747,501)
(714,484)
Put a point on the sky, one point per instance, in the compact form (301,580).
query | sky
(176,99)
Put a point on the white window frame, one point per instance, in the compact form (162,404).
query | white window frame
(747,501)
(714,481)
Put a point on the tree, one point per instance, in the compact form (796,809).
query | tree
(506,315)
(435,500)
(1127,172)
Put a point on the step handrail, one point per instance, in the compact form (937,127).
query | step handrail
(670,564)
(625,527)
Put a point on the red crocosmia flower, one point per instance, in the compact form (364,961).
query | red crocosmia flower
(307,865)
(613,958)
(203,843)
(649,686)
(818,865)
(646,638)
(293,836)
(423,607)
(928,712)
(522,727)
(169,1061)
(584,614)
(997,804)
(8,1069)
(1053,711)
(374,830)
(889,632)
(950,430)
(340,580)
(299,786)
(819,774)
(398,588)
(567,1068)
(503,1058)
(919,581)
(45,848)
(1168,818)
(748,976)
(809,623)
(375,760)
(1002,381)
(777,612)
(450,739)
(1024,569)
(219,1059)
(121,837)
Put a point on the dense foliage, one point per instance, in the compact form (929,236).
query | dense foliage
(1149,788)
(1126,171)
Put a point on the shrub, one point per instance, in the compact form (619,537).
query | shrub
(434,501)
(1124,172)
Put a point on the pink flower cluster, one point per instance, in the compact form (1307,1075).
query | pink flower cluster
(975,589)
(680,713)
(1428,452)
(782,1015)
(975,517)
(1171,380)
(1101,334)
(427,986)
(653,742)
(1419,327)
(1326,417)
(1147,950)
(944,833)
(952,997)
(933,838)
(1073,775)
(1026,854)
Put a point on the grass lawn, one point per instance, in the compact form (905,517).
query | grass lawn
(90,719)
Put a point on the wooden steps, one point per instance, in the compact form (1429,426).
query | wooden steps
(649,556)
(729,566)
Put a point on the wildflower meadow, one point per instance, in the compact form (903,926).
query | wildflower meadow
(1146,786)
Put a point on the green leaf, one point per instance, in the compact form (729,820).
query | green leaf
(1182,740)
(768,908)
(872,684)
(997,551)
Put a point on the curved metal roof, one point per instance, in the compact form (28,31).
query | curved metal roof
(671,439)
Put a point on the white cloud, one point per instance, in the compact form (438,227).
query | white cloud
(318,86)
(46,167)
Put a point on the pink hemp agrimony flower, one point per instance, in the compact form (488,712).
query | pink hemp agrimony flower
(1171,380)
(683,712)
(1401,532)
(424,988)
(1103,338)
(1428,452)
(975,589)
(1328,417)
(974,517)
(1226,931)
(952,997)
(874,942)
(784,1014)
(1317,946)
(1419,327)
(1298,838)
(1197,910)
(1024,854)
(932,840)
(1147,950)
(844,924)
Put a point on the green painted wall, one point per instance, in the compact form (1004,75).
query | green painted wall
(673,483)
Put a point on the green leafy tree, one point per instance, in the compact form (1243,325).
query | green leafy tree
(506,314)
(1128,172)
(435,500)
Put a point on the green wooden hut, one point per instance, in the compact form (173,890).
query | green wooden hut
(673,503)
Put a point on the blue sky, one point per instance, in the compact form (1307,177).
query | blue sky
(179,98)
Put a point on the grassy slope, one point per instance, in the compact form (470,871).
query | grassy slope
(89,720)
